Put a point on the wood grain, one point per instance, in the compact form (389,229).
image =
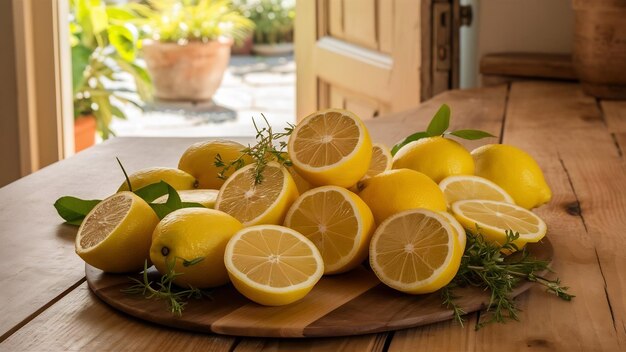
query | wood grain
(36,243)
(555,122)
(354,303)
(80,322)
(529,65)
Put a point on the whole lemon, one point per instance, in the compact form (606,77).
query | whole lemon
(199,160)
(393,191)
(436,157)
(515,171)
(176,178)
(194,234)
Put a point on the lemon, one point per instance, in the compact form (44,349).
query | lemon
(381,160)
(494,218)
(115,236)
(456,225)
(301,183)
(264,203)
(176,178)
(272,265)
(205,197)
(199,161)
(515,171)
(331,147)
(463,187)
(393,191)
(193,234)
(338,222)
(436,157)
(415,251)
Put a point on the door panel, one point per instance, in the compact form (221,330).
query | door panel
(373,56)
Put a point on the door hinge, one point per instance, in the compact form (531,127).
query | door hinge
(465,12)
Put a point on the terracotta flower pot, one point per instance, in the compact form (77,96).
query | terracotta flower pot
(600,47)
(244,48)
(84,132)
(188,72)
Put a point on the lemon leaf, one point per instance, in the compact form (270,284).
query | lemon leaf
(471,134)
(440,122)
(415,136)
(153,191)
(173,199)
(73,210)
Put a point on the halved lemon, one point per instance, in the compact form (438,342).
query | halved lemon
(331,147)
(415,251)
(116,234)
(338,222)
(206,197)
(255,203)
(464,187)
(272,265)
(456,225)
(494,218)
(381,160)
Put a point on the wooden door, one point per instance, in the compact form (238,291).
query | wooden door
(373,57)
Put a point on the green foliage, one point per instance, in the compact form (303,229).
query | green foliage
(103,46)
(273,19)
(189,20)
(438,126)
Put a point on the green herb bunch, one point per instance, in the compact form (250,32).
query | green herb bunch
(484,265)
(264,151)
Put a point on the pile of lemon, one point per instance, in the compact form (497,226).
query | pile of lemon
(342,200)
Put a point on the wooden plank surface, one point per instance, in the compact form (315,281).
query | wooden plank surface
(39,248)
(531,65)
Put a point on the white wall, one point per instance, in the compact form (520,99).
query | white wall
(542,26)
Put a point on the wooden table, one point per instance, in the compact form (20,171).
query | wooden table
(577,140)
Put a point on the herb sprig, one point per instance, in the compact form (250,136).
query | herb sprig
(438,126)
(175,297)
(485,266)
(261,153)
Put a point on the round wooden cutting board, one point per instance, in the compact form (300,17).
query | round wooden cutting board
(353,303)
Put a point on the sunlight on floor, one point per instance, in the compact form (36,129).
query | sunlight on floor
(252,86)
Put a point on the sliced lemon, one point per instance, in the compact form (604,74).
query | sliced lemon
(272,265)
(176,178)
(456,225)
(494,218)
(464,187)
(116,234)
(206,197)
(381,160)
(415,251)
(338,222)
(331,147)
(264,203)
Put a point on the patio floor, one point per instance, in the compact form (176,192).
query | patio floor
(252,85)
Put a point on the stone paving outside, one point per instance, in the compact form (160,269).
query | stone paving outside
(252,85)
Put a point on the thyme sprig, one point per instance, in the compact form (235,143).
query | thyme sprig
(261,153)
(165,289)
(485,265)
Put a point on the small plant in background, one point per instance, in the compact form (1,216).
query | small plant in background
(274,19)
(182,21)
(103,48)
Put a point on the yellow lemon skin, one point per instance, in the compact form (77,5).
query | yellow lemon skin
(199,161)
(393,191)
(192,233)
(127,247)
(348,171)
(176,178)
(204,197)
(515,171)
(272,300)
(436,157)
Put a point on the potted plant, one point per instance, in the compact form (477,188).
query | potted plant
(187,44)
(274,21)
(103,51)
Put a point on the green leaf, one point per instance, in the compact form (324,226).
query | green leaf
(124,40)
(151,192)
(415,136)
(80,60)
(471,134)
(73,210)
(440,122)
